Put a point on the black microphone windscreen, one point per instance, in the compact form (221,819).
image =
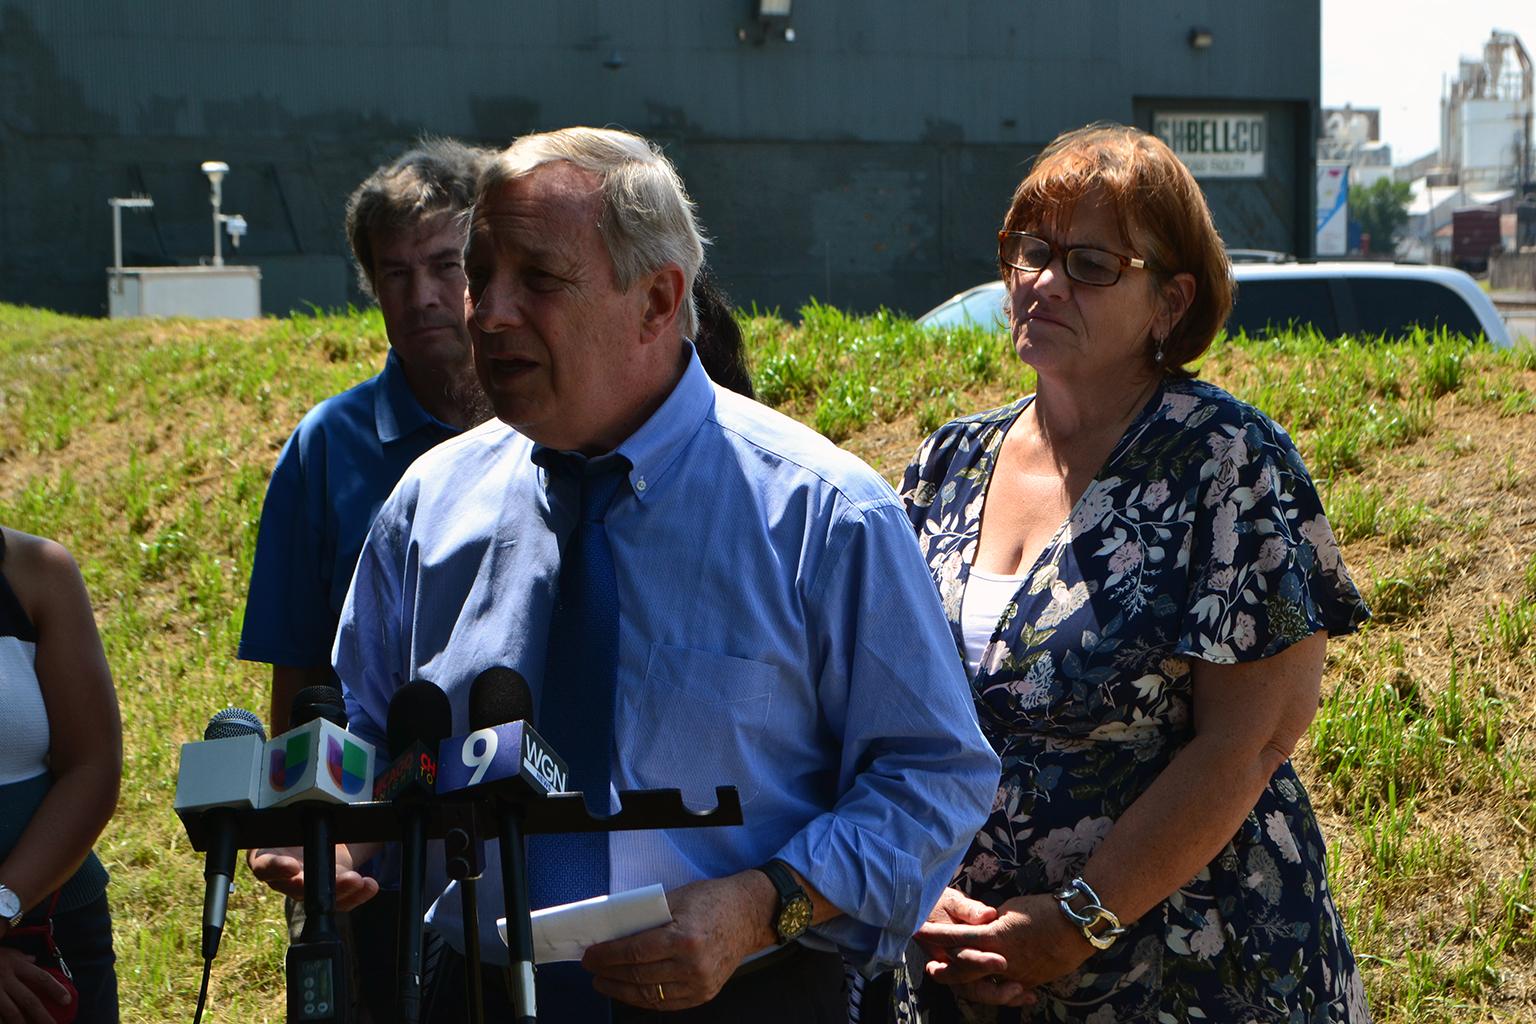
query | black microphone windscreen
(314,702)
(234,722)
(499,695)
(418,713)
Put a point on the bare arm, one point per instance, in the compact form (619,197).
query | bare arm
(85,732)
(1247,719)
(287,681)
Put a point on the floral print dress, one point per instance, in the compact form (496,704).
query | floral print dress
(1202,537)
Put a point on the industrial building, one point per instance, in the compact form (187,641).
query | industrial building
(861,153)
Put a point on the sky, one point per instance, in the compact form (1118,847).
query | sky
(1396,54)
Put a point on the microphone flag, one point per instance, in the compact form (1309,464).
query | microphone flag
(317,761)
(507,753)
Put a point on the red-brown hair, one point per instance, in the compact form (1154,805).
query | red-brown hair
(1159,209)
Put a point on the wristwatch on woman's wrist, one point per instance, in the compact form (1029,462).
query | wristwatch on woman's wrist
(11,911)
(1100,927)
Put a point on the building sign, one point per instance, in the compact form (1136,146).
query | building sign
(1332,208)
(1215,145)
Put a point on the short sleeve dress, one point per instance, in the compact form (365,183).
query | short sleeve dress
(1202,537)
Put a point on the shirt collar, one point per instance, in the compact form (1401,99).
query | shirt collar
(396,413)
(653,448)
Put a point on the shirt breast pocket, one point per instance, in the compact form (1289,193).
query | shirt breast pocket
(700,721)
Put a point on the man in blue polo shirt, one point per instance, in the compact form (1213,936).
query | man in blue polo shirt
(348,452)
(405,227)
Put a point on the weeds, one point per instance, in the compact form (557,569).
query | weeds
(146,448)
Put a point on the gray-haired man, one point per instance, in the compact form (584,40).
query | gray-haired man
(699,590)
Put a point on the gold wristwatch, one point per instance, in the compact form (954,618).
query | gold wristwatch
(793,916)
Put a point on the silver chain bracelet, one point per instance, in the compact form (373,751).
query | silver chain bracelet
(1091,916)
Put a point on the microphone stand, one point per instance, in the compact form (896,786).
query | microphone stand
(514,886)
(465,867)
(413,859)
(318,986)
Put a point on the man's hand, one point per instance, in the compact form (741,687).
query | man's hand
(24,986)
(1029,944)
(282,868)
(715,925)
(955,907)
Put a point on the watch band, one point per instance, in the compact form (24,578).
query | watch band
(793,915)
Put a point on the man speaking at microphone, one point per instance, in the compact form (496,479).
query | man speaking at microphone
(700,592)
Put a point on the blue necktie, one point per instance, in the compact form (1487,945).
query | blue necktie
(576,717)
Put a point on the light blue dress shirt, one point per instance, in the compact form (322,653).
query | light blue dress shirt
(779,631)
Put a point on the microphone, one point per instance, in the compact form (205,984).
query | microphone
(217,777)
(502,753)
(503,758)
(316,967)
(419,718)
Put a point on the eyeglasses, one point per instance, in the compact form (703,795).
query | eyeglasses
(1032,254)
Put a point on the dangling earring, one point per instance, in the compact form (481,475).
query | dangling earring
(1157,349)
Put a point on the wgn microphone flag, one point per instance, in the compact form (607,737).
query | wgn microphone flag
(502,747)
(503,761)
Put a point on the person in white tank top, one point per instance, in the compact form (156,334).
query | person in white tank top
(61,760)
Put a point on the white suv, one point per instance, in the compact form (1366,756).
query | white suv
(1336,298)
(1362,298)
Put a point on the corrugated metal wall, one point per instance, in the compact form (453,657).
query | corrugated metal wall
(867,162)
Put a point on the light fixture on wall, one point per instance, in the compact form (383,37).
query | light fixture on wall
(772,18)
(1200,38)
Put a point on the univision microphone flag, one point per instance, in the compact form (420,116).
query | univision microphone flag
(317,761)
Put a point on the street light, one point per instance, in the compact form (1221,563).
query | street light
(234,223)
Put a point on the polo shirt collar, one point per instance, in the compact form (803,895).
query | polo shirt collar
(653,448)
(396,413)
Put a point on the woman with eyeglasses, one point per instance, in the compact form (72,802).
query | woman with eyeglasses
(1141,581)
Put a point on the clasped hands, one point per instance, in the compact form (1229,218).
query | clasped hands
(1000,955)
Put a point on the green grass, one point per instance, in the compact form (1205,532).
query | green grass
(146,449)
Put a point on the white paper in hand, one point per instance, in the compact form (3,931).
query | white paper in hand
(565,932)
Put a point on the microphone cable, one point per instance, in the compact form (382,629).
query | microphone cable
(202,992)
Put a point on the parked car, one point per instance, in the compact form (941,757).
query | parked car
(1361,298)
(981,306)
(1336,298)
(1258,256)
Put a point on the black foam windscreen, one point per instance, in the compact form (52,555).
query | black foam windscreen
(314,702)
(499,695)
(418,713)
(234,722)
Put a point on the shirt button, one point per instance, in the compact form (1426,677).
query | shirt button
(640,484)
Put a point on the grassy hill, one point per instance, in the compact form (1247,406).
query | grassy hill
(145,448)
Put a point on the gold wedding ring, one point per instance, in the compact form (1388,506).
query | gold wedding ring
(661,995)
